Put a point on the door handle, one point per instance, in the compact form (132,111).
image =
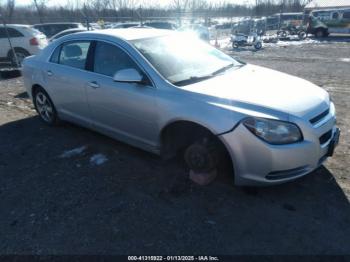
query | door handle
(94,84)
(49,73)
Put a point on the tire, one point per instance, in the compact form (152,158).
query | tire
(258,46)
(202,156)
(302,35)
(45,107)
(320,33)
(20,53)
(282,34)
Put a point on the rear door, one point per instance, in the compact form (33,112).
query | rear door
(123,110)
(66,78)
(16,37)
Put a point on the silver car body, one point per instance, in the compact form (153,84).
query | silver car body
(137,115)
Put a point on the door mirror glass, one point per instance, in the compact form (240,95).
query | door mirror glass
(129,75)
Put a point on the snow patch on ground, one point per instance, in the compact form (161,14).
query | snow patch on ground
(98,159)
(292,43)
(225,43)
(73,152)
(345,60)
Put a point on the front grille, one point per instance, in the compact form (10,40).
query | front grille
(319,117)
(325,137)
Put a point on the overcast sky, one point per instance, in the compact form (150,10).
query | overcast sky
(152,2)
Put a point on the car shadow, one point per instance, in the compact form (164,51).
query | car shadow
(245,49)
(64,203)
(22,95)
(7,71)
(334,38)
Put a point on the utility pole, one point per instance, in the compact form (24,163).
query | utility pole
(8,38)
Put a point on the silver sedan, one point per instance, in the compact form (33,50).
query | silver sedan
(168,92)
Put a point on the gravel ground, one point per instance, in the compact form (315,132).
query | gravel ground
(68,190)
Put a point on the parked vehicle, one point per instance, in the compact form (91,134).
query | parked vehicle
(93,26)
(166,93)
(50,29)
(244,26)
(284,20)
(67,32)
(126,25)
(25,40)
(292,30)
(161,25)
(324,22)
(241,40)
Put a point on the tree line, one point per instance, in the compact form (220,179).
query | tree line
(127,10)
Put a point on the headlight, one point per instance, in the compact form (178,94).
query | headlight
(273,131)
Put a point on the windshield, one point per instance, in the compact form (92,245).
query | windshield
(184,60)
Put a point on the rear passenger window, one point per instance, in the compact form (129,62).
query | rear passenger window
(11,32)
(2,33)
(74,54)
(110,59)
(14,32)
(346,15)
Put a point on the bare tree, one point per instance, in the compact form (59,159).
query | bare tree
(40,6)
(180,4)
(7,10)
(10,8)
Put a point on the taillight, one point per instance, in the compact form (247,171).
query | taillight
(34,41)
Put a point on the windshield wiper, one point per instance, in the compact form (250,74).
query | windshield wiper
(192,80)
(223,69)
(195,79)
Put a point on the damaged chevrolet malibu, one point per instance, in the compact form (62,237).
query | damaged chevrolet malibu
(169,93)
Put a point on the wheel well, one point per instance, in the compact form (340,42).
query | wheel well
(35,88)
(180,134)
(9,53)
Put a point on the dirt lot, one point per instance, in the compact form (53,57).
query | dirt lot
(57,202)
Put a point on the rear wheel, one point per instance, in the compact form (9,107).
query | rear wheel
(45,108)
(321,32)
(20,54)
(258,45)
(282,34)
(302,35)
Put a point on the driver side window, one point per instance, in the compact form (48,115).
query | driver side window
(110,59)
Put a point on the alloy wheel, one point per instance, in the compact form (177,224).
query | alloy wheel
(44,107)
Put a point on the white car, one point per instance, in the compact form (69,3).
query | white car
(25,40)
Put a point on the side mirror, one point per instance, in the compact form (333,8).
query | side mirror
(129,75)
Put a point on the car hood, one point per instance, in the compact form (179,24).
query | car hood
(267,88)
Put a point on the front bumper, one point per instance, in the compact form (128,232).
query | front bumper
(259,163)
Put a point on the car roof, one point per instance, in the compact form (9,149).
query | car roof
(80,29)
(63,23)
(16,25)
(131,33)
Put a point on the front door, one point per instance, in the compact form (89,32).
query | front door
(124,110)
